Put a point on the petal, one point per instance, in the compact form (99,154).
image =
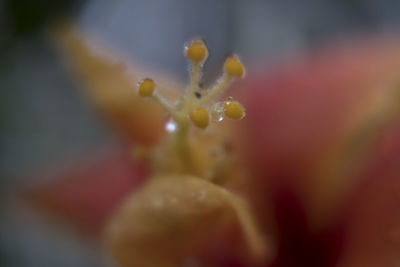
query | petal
(374,210)
(304,117)
(174,217)
(110,84)
(87,192)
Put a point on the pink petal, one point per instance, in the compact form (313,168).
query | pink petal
(301,113)
(374,213)
(89,191)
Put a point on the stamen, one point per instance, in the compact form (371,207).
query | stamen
(196,51)
(192,107)
(233,66)
(165,105)
(200,117)
(234,110)
(146,87)
(187,173)
(233,69)
(221,85)
(194,86)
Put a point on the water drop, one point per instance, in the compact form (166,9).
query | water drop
(217,112)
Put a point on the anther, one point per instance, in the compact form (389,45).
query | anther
(200,117)
(196,51)
(234,110)
(233,66)
(146,87)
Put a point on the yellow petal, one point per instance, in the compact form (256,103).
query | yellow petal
(171,218)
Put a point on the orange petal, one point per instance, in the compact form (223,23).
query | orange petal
(111,88)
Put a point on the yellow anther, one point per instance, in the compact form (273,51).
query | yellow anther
(146,88)
(196,51)
(233,66)
(200,117)
(234,110)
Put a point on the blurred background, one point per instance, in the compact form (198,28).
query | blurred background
(45,121)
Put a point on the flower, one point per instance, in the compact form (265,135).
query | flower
(319,148)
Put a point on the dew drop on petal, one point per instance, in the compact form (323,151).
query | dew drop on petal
(217,112)
(170,126)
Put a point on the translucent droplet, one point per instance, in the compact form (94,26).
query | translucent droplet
(217,112)
(170,126)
